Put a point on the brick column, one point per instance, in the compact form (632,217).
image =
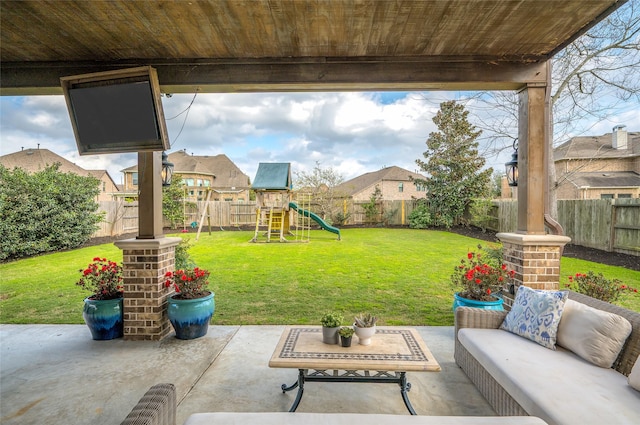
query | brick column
(535,258)
(145,262)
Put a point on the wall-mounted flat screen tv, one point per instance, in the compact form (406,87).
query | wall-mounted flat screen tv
(116,111)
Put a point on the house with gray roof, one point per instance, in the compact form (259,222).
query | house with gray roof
(395,183)
(599,167)
(201,174)
(34,160)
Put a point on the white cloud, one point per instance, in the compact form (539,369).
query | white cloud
(352,132)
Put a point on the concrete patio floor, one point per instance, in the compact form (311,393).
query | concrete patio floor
(56,374)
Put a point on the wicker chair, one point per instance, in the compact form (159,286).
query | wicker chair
(499,399)
(156,407)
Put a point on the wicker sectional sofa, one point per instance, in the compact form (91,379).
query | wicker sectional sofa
(519,377)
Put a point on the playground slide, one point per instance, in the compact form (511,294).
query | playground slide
(315,218)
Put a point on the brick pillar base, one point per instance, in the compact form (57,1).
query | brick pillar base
(145,262)
(535,258)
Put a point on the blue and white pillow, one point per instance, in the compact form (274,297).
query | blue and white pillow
(535,315)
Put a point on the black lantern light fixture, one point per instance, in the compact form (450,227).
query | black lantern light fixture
(167,170)
(511,167)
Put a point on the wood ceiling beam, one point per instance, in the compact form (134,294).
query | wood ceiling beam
(310,74)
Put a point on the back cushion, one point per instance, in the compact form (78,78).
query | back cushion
(595,335)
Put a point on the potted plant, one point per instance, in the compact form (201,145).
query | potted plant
(346,334)
(330,324)
(191,307)
(102,311)
(480,278)
(365,327)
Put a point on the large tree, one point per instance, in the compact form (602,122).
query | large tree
(321,183)
(594,78)
(453,166)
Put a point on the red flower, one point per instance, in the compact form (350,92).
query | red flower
(103,278)
(189,283)
(479,276)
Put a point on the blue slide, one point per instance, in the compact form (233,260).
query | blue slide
(315,218)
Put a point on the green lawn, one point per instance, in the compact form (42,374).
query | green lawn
(401,275)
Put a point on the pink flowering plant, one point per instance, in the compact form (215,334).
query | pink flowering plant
(597,286)
(103,278)
(188,283)
(480,276)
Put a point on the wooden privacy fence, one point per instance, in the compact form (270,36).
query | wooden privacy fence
(119,217)
(122,217)
(608,224)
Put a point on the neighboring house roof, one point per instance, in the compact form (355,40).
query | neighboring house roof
(34,160)
(591,147)
(225,172)
(100,174)
(273,176)
(393,173)
(606,179)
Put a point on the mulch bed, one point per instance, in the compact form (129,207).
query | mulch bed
(574,251)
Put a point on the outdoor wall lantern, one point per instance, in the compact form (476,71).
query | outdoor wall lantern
(511,167)
(167,170)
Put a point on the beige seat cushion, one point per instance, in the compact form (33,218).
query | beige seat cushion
(556,386)
(286,418)
(634,376)
(595,335)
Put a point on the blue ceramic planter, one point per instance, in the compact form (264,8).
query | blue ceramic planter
(458,301)
(104,318)
(190,318)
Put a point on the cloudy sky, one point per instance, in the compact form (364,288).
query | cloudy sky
(353,133)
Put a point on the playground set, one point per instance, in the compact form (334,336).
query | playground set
(274,206)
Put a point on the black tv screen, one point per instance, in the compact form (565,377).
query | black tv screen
(114,113)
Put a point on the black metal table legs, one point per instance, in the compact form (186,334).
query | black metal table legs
(304,375)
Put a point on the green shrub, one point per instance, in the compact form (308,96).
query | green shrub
(420,217)
(340,218)
(480,210)
(597,286)
(183,258)
(45,211)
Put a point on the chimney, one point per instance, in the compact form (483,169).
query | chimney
(619,137)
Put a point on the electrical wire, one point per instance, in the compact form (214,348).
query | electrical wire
(187,110)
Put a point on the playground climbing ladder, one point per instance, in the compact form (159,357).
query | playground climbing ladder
(303,222)
(274,219)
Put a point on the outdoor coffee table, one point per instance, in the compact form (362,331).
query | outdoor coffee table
(393,352)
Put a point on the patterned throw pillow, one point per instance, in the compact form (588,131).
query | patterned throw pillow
(535,315)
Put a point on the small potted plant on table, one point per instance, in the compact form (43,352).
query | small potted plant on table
(330,324)
(365,328)
(346,334)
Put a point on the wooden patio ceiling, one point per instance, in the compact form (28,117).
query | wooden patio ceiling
(292,45)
